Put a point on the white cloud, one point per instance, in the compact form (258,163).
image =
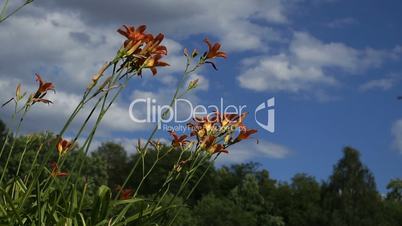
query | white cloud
(306,65)
(251,151)
(175,56)
(379,84)
(231,23)
(52,117)
(277,73)
(308,50)
(58,44)
(342,22)
(67,52)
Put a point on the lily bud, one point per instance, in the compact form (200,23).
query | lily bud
(194,53)
(18,95)
(98,75)
(185,52)
(193,84)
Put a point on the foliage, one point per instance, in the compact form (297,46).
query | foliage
(351,195)
(240,194)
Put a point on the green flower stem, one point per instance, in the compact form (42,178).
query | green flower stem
(12,146)
(149,171)
(4,9)
(189,176)
(33,163)
(186,73)
(193,189)
(167,183)
(4,144)
(82,103)
(49,153)
(13,12)
(22,156)
(88,141)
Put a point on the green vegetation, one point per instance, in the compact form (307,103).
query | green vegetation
(241,194)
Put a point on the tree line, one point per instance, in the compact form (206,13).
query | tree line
(241,194)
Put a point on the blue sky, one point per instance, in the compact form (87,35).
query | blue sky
(334,68)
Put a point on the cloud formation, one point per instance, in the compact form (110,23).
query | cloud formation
(250,150)
(232,23)
(67,52)
(308,63)
(379,84)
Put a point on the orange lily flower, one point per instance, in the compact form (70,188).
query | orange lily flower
(133,34)
(178,141)
(56,172)
(154,47)
(207,142)
(232,119)
(154,62)
(63,146)
(213,50)
(245,133)
(126,193)
(43,86)
(203,126)
(142,50)
(42,90)
(217,148)
(135,37)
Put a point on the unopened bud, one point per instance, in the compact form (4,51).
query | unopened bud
(193,84)
(185,52)
(194,53)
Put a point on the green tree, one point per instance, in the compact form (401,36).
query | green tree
(116,160)
(217,211)
(392,212)
(395,190)
(184,217)
(227,178)
(306,197)
(248,197)
(350,196)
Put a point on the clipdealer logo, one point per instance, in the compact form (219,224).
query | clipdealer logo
(164,114)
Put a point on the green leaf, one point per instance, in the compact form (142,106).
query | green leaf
(101,203)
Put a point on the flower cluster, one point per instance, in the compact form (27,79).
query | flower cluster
(142,50)
(215,132)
